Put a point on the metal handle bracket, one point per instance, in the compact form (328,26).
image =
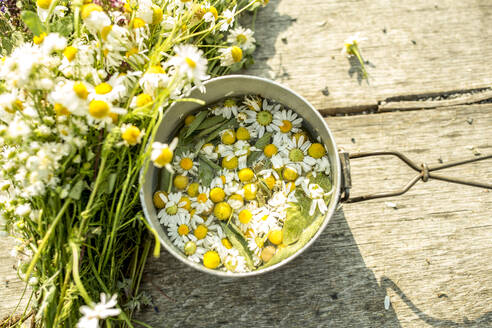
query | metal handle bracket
(425,172)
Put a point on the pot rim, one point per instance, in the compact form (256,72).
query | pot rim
(336,182)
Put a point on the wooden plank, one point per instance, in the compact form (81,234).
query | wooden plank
(430,255)
(416,47)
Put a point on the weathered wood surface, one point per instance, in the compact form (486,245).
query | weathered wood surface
(416,47)
(431,254)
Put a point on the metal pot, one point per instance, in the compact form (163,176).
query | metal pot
(239,85)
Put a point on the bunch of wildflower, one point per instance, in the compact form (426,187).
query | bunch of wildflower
(245,181)
(80,99)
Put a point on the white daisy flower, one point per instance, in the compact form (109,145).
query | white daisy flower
(263,121)
(162,154)
(228,19)
(289,123)
(194,251)
(230,55)
(71,96)
(322,165)
(203,204)
(227,110)
(256,242)
(173,211)
(264,219)
(224,177)
(100,311)
(185,164)
(94,18)
(154,78)
(316,193)
(180,232)
(189,62)
(208,150)
(242,37)
(234,262)
(295,155)
(131,134)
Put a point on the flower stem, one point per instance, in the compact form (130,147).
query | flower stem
(76,276)
(45,240)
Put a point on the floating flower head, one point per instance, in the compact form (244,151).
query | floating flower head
(264,120)
(185,164)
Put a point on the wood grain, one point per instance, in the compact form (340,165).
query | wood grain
(414,47)
(431,254)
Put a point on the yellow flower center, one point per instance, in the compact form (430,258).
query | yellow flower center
(138,23)
(236,200)
(131,134)
(237,54)
(290,186)
(131,52)
(270,182)
(213,11)
(156,15)
(296,155)
(217,195)
(250,190)
(223,179)
(186,163)
(183,229)
(103,88)
(60,109)
(289,174)
(156,69)
(143,99)
(264,117)
(45,4)
(189,119)
(286,126)
(316,150)
(222,211)
(89,8)
(98,109)
(246,174)
(230,164)
(241,38)
(180,181)
(80,90)
(202,198)
(158,202)
(245,216)
(185,203)
(190,62)
(165,157)
(39,39)
(70,53)
(242,133)
(228,137)
(275,237)
(270,150)
(193,189)
(227,244)
(171,210)
(190,248)
(259,242)
(105,32)
(298,135)
(211,259)
(200,231)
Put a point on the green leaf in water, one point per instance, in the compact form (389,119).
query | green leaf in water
(196,122)
(263,141)
(238,240)
(211,122)
(205,172)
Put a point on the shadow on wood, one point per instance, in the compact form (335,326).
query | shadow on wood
(329,285)
(482,321)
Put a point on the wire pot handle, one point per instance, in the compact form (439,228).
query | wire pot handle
(424,173)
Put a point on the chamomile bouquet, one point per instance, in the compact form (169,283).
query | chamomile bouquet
(82,91)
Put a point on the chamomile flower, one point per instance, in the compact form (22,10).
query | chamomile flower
(322,165)
(242,37)
(162,154)
(73,96)
(296,155)
(210,15)
(256,242)
(180,232)
(264,219)
(317,194)
(185,164)
(102,112)
(194,251)
(131,134)
(172,210)
(228,19)
(203,204)
(234,262)
(224,177)
(289,123)
(253,103)
(100,311)
(189,62)
(230,56)
(208,150)
(94,17)
(155,77)
(228,109)
(263,121)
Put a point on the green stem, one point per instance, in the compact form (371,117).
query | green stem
(76,276)
(45,240)
(85,214)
